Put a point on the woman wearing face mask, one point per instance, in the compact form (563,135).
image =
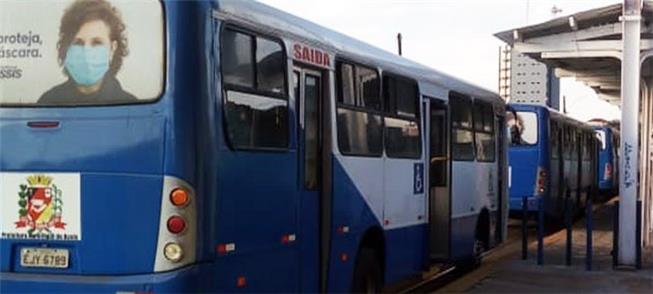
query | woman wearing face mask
(91,47)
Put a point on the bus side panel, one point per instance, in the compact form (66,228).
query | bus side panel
(405,252)
(358,205)
(523,164)
(472,183)
(257,206)
(404,217)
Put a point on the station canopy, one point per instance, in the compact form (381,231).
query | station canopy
(586,45)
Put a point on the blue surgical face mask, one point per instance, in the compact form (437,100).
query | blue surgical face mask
(87,65)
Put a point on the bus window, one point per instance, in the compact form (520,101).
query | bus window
(368,88)
(402,132)
(81,53)
(269,59)
(600,134)
(555,140)
(256,110)
(347,93)
(462,131)
(568,144)
(523,129)
(360,126)
(484,131)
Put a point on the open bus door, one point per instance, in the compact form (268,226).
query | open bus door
(309,93)
(439,184)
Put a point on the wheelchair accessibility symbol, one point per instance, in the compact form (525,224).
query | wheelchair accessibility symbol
(418,178)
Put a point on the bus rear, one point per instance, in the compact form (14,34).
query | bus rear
(91,198)
(607,160)
(527,170)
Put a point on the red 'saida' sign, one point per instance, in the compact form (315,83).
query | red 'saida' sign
(311,56)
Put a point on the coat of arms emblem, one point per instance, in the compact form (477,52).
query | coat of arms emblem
(40,205)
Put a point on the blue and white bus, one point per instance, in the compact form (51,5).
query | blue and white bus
(608,165)
(551,155)
(229,146)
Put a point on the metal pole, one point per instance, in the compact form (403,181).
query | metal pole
(628,173)
(540,230)
(638,239)
(615,234)
(568,226)
(589,227)
(399,43)
(524,228)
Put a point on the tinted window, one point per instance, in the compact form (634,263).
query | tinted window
(484,131)
(406,98)
(237,62)
(555,140)
(256,108)
(269,66)
(401,97)
(462,142)
(402,130)
(311,131)
(360,129)
(256,121)
(523,129)
(359,133)
(402,138)
(367,81)
(347,89)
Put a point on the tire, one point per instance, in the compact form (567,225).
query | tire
(479,248)
(368,276)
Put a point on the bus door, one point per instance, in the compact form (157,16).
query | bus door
(308,89)
(439,184)
(501,165)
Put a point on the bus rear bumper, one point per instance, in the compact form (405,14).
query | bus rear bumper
(182,280)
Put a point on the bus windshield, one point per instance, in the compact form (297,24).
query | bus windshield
(76,53)
(522,128)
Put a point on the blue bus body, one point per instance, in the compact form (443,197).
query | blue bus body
(608,179)
(557,160)
(251,225)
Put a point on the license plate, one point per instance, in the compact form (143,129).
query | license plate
(44,257)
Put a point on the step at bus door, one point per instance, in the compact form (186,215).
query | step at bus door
(439,183)
(308,90)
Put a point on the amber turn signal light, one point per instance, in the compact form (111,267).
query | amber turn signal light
(179,197)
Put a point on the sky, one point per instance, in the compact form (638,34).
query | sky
(453,36)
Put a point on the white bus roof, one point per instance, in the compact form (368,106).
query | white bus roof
(267,19)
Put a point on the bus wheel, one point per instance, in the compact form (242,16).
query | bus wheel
(367,273)
(479,248)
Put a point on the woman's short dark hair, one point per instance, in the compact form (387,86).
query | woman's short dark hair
(83,11)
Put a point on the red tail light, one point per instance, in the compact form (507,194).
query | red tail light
(176,224)
(607,171)
(541,181)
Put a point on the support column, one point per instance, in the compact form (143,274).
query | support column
(628,173)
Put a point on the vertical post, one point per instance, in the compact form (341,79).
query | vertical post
(615,234)
(589,228)
(524,228)
(638,236)
(568,223)
(399,45)
(628,173)
(540,230)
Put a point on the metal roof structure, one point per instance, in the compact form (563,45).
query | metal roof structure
(610,49)
(586,45)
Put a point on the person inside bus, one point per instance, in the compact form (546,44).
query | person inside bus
(515,128)
(91,48)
